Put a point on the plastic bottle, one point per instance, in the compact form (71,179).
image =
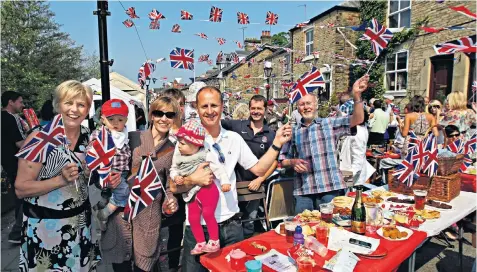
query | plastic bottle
(317,247)
(298,238)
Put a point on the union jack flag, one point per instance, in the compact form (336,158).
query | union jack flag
(465,164)
(465,11)
(185,15)
(221,41)
(458,146)
(105,175)
(405,172)
(145,71)
(176,28)
(272,18)
(219,58)
(101,150)
(470,145)
(209,62)
(430,164)
(131,12)
(215,14)
(378,35)
(155,15)
(145,189)
(203,58)
(155,24)
(300,25)
(465,44)
(45,141)
(239,44)
(202,35)
(242,18)
(234,57)
(298,60)
(128,23)
(308,82)
(182,58)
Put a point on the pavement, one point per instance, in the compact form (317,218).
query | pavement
(434,255)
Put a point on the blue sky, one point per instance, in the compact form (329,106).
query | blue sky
(78,20)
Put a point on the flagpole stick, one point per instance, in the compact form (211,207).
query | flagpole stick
(372,63)
(71,160)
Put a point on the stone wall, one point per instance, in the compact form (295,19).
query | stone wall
(328,41)
(278,65)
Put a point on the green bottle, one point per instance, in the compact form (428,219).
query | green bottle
(358,213)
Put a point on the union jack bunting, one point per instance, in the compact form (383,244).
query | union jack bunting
(234,57)
(203,58)
(155,25)
(155,15)
(329,25)
(182,58)
(45,141)
(219,58)
(101,150)
(202,35)
(131,12)
(209,62)
(221,41)
(272,18)
(239,44)
(466,163)
(470,145)
(298,60)
(146,187)
(176,28)
(300,25)
(215,14)
(430,150)
(465,44)
(458,146)
(242,18)
(145,71)
(378,35)
(308,82)
(464,11)
(128,23)
(185,15)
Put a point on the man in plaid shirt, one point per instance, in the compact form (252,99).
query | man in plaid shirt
(312,150)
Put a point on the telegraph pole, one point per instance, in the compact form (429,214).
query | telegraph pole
(104,61)
(243,34)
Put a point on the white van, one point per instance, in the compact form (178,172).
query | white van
(131,101)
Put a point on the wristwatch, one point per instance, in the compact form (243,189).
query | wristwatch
(276,148)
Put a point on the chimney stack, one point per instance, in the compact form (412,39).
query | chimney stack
(266,38)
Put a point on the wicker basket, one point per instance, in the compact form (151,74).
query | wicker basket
(449,165)
(441,188)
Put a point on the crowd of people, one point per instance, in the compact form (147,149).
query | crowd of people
(199,156)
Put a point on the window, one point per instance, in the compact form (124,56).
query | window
(309,42)
(396,72)
(324,93)
(287,65)
(399,13)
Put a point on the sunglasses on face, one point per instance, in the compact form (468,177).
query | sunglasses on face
(454,135)
(435,106)
(168,114)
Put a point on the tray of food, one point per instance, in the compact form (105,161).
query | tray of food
(308,216)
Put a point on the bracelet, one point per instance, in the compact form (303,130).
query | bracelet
(276,148)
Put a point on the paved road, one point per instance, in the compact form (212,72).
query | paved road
(433,256)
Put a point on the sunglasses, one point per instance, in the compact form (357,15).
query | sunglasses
(221,155)
(435,106)
(454,135)
(168,114)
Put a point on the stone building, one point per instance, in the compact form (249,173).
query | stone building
(317,43)
(280,60)
(415,67)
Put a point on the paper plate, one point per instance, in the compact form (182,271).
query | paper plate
(379,253)
(401,229)
(249,248)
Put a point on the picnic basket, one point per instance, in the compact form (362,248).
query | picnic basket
(441,188)
(449,165)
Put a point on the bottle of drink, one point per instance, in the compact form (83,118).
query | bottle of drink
(358,214)
(298,237)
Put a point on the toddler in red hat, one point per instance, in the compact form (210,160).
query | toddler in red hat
(114,115)
(190,153)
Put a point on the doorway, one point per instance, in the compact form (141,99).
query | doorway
(441,76)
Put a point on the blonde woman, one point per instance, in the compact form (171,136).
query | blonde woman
(459,115)
(435,108)
(57,213)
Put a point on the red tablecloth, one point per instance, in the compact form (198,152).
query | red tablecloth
(398,252)
(468,182)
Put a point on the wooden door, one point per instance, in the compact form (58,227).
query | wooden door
(441,76)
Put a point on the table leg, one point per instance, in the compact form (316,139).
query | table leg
(411,262)
(461,242)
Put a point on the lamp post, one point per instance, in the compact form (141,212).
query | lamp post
(267,70)
(148,81)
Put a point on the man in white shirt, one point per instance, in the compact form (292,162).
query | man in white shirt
(227,148)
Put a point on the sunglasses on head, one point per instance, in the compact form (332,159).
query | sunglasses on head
(168,114)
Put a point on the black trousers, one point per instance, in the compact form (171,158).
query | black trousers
(126,266)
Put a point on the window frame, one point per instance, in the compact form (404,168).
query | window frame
(395,71)
(309,42)
(398,12)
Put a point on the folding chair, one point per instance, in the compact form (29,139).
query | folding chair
(244,194)
(280,199)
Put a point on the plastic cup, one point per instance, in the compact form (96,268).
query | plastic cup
(290,227)
(326,210)
(420,199)
(305,264)
(321,234)
(253,266)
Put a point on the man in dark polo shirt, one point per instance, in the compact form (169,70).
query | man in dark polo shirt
(259,137)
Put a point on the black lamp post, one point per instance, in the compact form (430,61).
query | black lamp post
(267,69)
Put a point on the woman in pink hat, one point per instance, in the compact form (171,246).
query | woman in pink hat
(189,154)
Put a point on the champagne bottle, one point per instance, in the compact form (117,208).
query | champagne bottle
(358,214)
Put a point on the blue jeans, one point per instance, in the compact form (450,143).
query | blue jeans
(230,233)
(312,202)
(250,210)
(120,194)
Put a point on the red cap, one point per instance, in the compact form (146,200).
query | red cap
(115,107)
(270,103)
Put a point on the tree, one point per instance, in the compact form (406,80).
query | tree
(36,55)
(281,39)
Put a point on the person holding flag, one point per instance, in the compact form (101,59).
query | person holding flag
(319,178)
(56,213)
